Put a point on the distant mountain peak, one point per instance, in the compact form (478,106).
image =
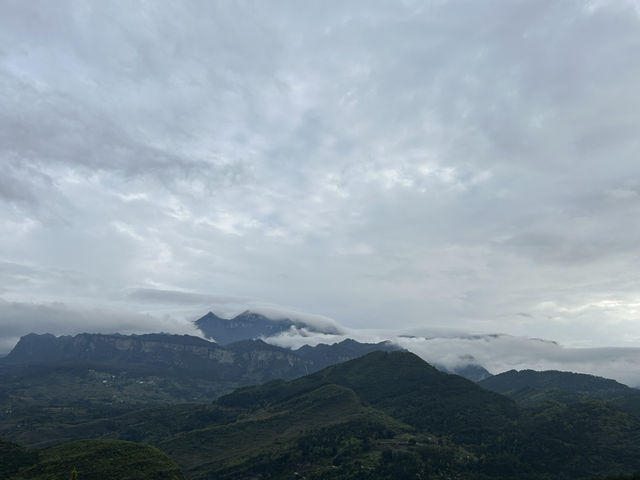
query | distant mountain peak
(209,316)
(250,325)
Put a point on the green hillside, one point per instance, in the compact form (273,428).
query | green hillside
(515,383)
(95,460)
(449,414)
(273,432)
(533,389)
(13,457)
(148,425)
(387,415)
(405,387)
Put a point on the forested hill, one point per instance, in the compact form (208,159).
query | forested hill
(514,381)
(386,415)
(404,386)
(87,460)
(94,375)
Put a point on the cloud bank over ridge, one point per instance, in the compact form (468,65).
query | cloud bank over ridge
(391,165)
(445,347)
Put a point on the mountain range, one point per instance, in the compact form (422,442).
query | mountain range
(244,361)
(521,383)
(251,326)
(94,375)
(178,406)
(385,415)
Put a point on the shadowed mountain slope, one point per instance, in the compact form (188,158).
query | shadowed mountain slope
(386,415)
(404,386)
(273,431)
(531,389)
(513,381)
(52,382)
(242,362)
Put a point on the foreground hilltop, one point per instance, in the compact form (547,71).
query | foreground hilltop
(87,460)
(390,415)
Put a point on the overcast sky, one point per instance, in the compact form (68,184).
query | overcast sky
(473,165)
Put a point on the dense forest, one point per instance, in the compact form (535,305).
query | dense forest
(385,415)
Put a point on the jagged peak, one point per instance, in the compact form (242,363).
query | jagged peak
(207,317)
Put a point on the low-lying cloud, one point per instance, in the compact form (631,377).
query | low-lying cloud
(156,296)
(495,352)
(18,319)
(448,348)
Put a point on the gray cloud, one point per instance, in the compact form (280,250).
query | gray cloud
(499,353)
(173,297)
(19,319)
(419,164)
(451,349)
(496,352)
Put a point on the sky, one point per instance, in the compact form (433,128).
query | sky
(389,165)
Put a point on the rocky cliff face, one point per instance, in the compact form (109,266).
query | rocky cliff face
(35,348)
(248,361)
(161,354)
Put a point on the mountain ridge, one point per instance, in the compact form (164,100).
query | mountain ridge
(513,381)
(381,416)
(98,374)
(418,383)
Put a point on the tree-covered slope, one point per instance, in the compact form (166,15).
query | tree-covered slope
(531,389)
(50,382)
(386,415)
(452,429)
(13,457)
(578,440)
(271,432)
(148,425)
(94,460)
(404,386)
(513,382)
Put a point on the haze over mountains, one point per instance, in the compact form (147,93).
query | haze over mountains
(156,368)
(451,350)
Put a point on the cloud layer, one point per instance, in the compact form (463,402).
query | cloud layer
(496,352)
(390,165)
